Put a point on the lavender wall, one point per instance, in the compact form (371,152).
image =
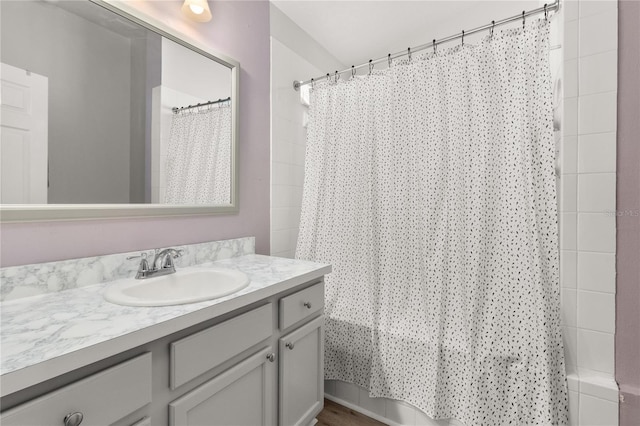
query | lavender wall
(239,29)
(628,208)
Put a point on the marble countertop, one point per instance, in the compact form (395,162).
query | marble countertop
(44,336)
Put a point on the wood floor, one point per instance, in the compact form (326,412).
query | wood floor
(336,415)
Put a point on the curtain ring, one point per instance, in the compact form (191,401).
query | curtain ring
(545,12)
(353,71)
(409,53)
(462,37)
(434,45)
(328,78)
(370,66)
(389,59)
(523,20)
(493,25)
(336,77)
(313,84)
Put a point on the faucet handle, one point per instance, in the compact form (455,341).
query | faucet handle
(170,255)
(144,264)
(142,255)
(175,253)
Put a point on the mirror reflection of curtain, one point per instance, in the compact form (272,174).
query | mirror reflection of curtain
(199,157)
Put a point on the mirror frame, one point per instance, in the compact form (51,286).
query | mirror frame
(55,212)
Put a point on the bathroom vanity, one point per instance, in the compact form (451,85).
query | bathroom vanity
(250,358)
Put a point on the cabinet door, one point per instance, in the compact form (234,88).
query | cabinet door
(242,395)
(302,374)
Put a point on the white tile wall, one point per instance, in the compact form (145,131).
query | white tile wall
(569,190)
(287,147)
(596,232)
(570,124)
(569,147)
(570,45)
(588,8)
(597,411)
(587,200)
(597,153)
(595,350)
(568,231)
(597,272)
(574,397)
(597,113)
(598,32)
(599,386)
(598,73)
(570,341)
(569,314)
(596,311)
(568,268)
(596,192)
(570,12)
(571,78)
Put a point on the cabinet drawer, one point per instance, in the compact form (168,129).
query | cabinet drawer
(301,305)
(202,351)
(102,398)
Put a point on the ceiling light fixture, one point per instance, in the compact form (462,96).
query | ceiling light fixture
(197,10)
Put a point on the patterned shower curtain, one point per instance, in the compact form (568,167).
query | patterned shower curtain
(198,166)
(430,188)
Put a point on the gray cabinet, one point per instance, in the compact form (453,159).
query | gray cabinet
(301,387)
(242,396)
(100,399)
(259,365)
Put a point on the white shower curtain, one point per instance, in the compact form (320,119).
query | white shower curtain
(430,188)
(198,166)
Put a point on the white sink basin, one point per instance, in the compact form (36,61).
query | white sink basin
(185,286)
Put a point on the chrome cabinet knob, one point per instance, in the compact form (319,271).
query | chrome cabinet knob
(73,419)
(307,305)
(290,345)
(271,357)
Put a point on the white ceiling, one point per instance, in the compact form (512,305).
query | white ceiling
(356,31)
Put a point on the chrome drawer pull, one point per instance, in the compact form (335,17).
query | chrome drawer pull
(290,345)
(307,304)
(271,357)
(73,419)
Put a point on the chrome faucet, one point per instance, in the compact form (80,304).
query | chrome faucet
(162,263)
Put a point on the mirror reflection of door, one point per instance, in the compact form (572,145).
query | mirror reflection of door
(23,149)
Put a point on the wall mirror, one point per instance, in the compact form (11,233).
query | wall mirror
(104,115)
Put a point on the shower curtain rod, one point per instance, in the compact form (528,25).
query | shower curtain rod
(177,110)
(544,9)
